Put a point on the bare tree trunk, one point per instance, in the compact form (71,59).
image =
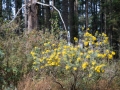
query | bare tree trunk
(32,15)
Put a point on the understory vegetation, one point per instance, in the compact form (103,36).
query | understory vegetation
(38,61)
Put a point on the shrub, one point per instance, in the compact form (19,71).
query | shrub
(80,63)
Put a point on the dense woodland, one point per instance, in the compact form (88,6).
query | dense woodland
(78,15)
(101,15)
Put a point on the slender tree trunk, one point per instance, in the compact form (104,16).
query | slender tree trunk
(73,32)
(86,9)
(101,16)
(96,16)
(76,14)
(65,12)
(26,15)
(8,9)
(0,8)
(105,19)
(39,16)
(47,16)
(32,15)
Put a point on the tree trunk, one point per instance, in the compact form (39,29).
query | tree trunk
(0,9)
(32,15)
(8,9)
(76,14)
(26,2)
(101,16)
(65,12)
(39,16)
(86,8)
(105,19)
(73,32)
(47,16)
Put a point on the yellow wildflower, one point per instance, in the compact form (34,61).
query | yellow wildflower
(34,62)
(93,38)
(53,63)
(113,53)
(96,44)
(45,44)
(88,56)
(86,43)
(67,67)
(32,53)
(41,67)
(76,39)
(36,47)
(98,55)
(86,34)
(47,51)
(105,41)
(40,60)
(81,53)
(110,56)
(53,45)
(93,63)
(78,59)
(104,55)
(107,51)
(84,65)
(98,68)
(104,35)
(36,69)
(90,52)
(75,68)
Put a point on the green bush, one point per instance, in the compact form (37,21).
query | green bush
(77,64)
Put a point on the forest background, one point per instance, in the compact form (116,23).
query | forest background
(36,23)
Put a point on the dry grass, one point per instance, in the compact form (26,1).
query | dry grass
(47,83)
(27,83)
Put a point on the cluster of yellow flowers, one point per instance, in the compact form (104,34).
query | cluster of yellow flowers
(75,58)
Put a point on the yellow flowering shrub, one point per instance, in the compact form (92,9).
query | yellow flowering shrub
(90,59)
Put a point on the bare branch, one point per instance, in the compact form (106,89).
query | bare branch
(17,14)
(56,10)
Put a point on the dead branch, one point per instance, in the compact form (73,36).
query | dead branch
(43,5)
(56,10)
(17,14)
